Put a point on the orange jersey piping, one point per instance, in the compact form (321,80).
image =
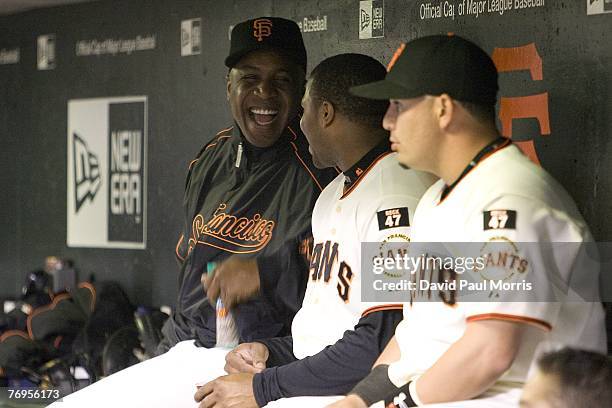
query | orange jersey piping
(229,250)
(295,150)
(390,306)
(513,318)
(362,175)
(218,137)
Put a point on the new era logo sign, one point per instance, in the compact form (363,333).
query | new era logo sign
(191,37)
(86,172)
(371,19)
(106,172)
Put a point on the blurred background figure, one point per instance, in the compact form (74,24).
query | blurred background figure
(570,378)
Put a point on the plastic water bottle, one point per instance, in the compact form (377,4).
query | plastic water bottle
(227,333)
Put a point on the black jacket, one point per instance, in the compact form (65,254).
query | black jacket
(240,199)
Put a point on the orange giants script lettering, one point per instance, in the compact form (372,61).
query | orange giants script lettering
(224,231)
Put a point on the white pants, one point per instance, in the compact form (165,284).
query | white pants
(507,399)
(165,381)
(170,380)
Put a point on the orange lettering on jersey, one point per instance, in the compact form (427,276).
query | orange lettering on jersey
(535,106)
(262,28)
(237,235)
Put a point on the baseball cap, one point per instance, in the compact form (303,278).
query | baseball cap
(434,65)
(267,33)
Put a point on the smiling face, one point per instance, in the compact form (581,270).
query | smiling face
(264,91)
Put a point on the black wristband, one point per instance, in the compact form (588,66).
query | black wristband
(407,401)
(376,386)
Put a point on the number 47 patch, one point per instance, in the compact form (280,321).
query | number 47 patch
(392,218)
(499,219)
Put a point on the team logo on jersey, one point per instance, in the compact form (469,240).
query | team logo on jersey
(224,231)
(503,262)
(262,28)
(392,246)
(499,219)
(393,217)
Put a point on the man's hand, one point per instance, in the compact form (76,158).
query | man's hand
(247,358)
(235,280)
(234,390)
(351,401)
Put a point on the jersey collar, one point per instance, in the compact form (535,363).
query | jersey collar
(485,152)
(254,153)
(359,169)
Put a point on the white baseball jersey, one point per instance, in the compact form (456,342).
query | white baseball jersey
(505,198)
(380,202)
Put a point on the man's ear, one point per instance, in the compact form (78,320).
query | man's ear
(228,83)
(444,109)
(327,114)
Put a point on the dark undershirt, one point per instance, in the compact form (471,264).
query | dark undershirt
(333,371)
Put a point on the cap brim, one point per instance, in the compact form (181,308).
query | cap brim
(233,59)
(384,89)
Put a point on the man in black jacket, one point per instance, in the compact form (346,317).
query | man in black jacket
(248,200)
(250,193)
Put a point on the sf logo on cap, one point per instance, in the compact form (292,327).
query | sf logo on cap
(263,28)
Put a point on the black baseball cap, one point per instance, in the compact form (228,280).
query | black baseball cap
(434,65)
(267,33)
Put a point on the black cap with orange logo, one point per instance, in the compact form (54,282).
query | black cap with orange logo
(267,33)
(434,65)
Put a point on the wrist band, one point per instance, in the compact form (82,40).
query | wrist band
(404,397)
(413,393)
(377,386)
